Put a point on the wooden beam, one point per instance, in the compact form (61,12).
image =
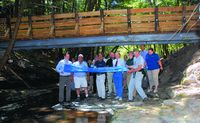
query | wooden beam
(114,40)
(129,20)
(156,19)
(77,30)
(30,29)
(183,17)
(102,28)
(52,31)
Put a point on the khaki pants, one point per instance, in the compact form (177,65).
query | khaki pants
(110,82)
(153,78)
(100,80)
(64,80)
(136,84)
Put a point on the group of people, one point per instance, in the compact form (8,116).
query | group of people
(140,63)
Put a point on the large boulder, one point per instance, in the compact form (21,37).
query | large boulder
(192,73)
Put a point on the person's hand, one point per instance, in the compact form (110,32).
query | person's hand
(130,71)
(88,78)
(71,78)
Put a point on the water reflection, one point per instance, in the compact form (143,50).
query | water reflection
(77,117)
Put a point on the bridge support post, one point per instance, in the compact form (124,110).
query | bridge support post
(30,29)
(77,24)
(156,19)
(52,31)
(129,20)
(102,28)
(183,17)
(8,27)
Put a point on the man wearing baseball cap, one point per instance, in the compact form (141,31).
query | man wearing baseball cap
(80,80)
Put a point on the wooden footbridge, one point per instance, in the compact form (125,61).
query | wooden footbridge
(105,27)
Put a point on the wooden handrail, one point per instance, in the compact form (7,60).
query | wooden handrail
(108,22)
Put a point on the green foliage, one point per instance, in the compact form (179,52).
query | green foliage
(135,4)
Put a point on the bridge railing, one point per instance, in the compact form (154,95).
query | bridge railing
(103,22)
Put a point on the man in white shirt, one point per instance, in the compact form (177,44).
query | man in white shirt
(118,76)
(136,78)
(64,79)
(80,80)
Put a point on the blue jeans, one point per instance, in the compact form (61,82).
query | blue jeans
(118,78)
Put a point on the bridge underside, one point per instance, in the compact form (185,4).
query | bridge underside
(133,39)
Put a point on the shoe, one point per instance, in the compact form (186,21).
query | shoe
(155,91)
(130,100)
(78,99)
(102,99)
(85,100)
(146,99)
(109,94)
(149,90)
(120,99)
(116,97)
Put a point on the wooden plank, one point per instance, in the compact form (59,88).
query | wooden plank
(40,25)
(170,23)
(22,31)
(190,8)
(41,17)
(61,24)
(142,17)
(23,26)
(115,32)
(143,25)
(110,12)
(168,29)
(141,30)
(116,28)
(65,20)
(117,25)
(40,31)
(115,19)
(41,36)
(142,10)
(170,18)
(89,21)
(170,9)
(90,32)
(90,27)
(24,19)
(65,32)
(89,14)
(65,15)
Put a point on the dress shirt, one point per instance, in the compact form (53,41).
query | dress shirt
(60,67)
(120,62)
(82,65)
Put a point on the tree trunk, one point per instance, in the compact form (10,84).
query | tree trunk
(16,8)
(106,4)
(11,43)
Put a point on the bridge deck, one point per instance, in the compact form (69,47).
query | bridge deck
(102,23)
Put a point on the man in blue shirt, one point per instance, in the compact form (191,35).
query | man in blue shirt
(154,65)
(64,79)
(100,80)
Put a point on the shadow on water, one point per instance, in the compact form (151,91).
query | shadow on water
(37,108)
